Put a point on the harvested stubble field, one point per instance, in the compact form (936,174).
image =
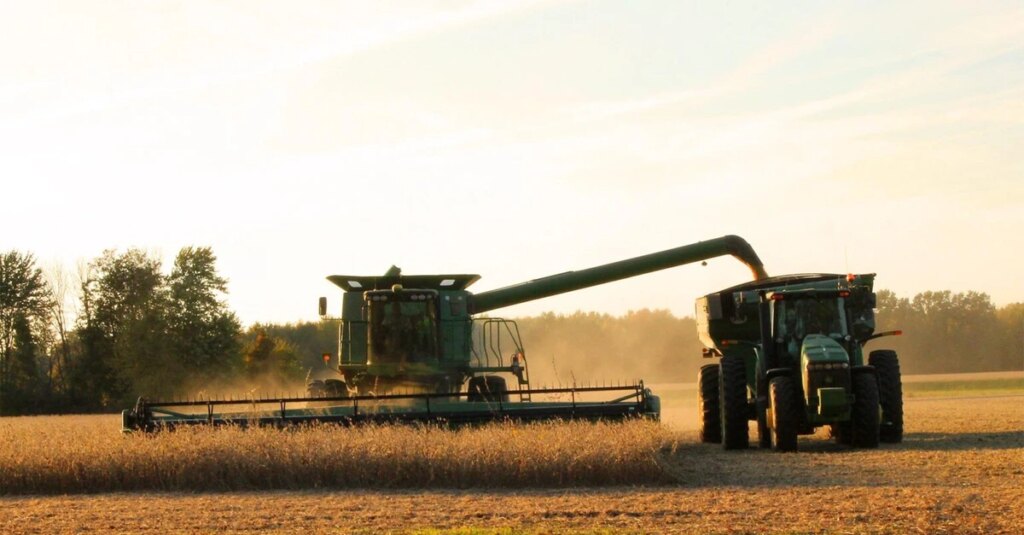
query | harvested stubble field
(960,470)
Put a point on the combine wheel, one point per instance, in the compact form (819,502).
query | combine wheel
(732,386)
(315,389)
(890,394)
(707,401)
(489,388)
(864,416)
(335,388)
(785,413)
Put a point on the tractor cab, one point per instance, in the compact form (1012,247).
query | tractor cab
(803,316)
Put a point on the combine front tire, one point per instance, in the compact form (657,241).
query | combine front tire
(732,386)
(489,388)
(890,394)
(707,401)
(785,413)
(864,416)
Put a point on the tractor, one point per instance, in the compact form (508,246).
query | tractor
(791,353)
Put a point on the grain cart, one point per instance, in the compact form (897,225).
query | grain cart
(791,352)
(415,348)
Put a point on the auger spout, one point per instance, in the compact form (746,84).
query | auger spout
(623,269)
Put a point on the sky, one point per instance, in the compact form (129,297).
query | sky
(517,140)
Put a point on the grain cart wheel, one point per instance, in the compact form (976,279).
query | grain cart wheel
(785,415)
(707,402)
(764,433)
(841,432)
(864,416)
(890,394)
(732,388)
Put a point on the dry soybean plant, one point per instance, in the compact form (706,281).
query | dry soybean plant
(43,455)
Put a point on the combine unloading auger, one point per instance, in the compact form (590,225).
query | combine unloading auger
(409,349)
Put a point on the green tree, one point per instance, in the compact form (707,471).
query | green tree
(203,333)
(24,302)
(269,356)
(125,308)
(1011,325)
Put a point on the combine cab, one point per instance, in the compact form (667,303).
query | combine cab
(792,359)
(410,349)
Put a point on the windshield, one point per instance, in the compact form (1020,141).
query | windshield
(799,317)
(403,331)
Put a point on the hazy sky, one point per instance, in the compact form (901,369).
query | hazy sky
(517,140)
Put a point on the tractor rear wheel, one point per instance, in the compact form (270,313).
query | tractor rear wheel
(732,387)
(864,416)
(890,394)
(785,415)
(707,401)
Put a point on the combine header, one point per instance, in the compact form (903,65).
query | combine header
(411,350)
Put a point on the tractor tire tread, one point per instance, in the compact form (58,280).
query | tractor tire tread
(864,415)
(733,400)
(710,430)
(785,413)
(890,394)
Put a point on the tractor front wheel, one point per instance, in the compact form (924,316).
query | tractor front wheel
(732,387)
(864,416)
(707,401)
(785,415)
(890,394)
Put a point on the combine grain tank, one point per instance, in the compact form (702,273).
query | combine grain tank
(416,348)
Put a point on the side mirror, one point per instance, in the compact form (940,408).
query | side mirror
(323,306)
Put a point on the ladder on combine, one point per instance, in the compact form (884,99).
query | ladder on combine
(492,337)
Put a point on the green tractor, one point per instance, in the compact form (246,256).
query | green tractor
(792,358)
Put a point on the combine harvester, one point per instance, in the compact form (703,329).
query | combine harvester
(792,359)
(411,350)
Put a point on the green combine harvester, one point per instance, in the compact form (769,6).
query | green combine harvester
(415,348)
(792,359)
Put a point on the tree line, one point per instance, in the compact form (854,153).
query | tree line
(119,327)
